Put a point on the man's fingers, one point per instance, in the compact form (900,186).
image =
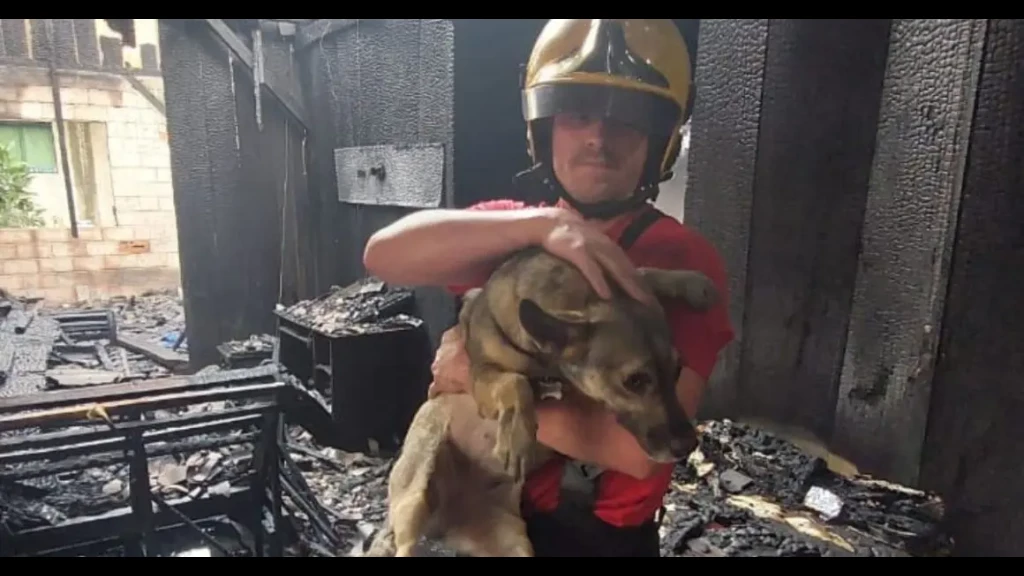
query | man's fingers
(594,274)
(626,276)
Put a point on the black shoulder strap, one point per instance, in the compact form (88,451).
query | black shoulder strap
(579,483)
(638,226)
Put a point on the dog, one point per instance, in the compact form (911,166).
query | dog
(537,317)
(458,477)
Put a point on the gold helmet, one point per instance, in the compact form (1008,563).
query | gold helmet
(637,71)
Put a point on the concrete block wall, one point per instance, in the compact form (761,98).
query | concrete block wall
(100,263)
(130,187)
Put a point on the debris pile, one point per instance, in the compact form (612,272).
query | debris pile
(366,306)
(747,492)
(187,447)
(247,353)
(350,488)
(92,343)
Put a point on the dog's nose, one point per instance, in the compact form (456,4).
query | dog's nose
(659,437)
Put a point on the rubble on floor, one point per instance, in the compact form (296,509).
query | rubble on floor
(745,493)
(44,347)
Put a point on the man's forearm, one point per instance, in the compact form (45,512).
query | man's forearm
(444,247)
(591,434)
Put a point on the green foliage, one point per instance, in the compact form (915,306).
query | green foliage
(17,209)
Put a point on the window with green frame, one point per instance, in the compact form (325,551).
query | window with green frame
(32,144)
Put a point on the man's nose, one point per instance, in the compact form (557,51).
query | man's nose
(596,133)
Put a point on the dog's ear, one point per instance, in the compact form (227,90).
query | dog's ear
(694,288)
(548,329)
(471,295)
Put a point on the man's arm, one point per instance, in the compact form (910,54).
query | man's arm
(584,431)
(451,247)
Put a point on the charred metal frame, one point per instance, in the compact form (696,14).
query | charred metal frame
(123,437)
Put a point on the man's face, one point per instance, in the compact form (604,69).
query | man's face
(597,159)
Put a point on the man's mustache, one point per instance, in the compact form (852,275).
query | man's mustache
(603,159)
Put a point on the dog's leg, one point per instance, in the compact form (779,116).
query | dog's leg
(408,520)
(383,543)
(503,535)
(508,398)
(692,287)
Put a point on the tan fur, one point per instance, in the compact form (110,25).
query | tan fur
(447,485)
(459,477)
(538,317)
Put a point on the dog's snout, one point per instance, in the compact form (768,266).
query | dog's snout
(660,437)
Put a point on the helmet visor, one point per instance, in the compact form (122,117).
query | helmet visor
(644,111)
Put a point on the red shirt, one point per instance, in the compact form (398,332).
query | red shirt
(624,500)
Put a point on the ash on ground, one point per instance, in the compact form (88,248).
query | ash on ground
(38,352)
(364,307)
(747,492)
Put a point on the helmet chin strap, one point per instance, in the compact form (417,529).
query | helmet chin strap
(542,175)
(607,209)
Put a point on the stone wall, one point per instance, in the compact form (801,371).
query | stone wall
(120,164)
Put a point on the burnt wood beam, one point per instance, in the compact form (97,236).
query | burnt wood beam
(907,238)
(723,158)
(269,80)
(318,30)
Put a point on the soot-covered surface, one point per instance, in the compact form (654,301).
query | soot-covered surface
(363,307)
(747,493)
(155,318)
(750,493)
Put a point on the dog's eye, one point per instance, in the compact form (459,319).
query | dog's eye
(638,382)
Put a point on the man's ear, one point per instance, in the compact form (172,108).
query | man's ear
(545,328)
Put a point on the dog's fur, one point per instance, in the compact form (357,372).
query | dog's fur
(537,318)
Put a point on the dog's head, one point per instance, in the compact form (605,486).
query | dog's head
(620,353)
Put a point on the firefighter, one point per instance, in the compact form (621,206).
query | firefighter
(604,102)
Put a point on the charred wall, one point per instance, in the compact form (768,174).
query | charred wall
(369,83)
(236,188)
(972,450)
(859,178)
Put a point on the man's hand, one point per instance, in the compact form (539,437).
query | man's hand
(594,254)
(451,365)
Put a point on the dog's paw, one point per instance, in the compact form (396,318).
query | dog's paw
(700,292)
(514,443)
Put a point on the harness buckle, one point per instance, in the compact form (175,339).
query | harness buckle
(579,484)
